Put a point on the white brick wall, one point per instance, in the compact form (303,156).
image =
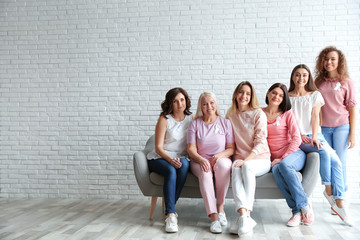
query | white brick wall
(82,81)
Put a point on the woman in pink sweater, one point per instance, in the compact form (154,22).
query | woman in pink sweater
(252,154)
(339,112)
(286,157)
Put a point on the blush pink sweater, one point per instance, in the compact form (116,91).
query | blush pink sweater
(250,133)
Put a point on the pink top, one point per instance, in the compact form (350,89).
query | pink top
(283,135)
(211,138)
(338,97)
(250,133)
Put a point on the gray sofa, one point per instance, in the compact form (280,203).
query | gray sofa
(151,184)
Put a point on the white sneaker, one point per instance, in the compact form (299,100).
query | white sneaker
(246,225)
(343,214)
(171,224)
(234,228)
(222,219)
(215,227)
(332,212)
(330,199)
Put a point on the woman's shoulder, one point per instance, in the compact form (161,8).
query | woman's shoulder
(188,118)
(257,113)
(347,82)
(287,114)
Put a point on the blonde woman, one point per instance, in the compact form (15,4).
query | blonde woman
(252,154)
(210,146)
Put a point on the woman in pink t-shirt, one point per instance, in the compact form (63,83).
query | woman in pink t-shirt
(286,157)
(252,154)
(210,146)
(338,113)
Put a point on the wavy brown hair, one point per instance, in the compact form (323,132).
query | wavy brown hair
(310,85)
(167,104)
(321,73)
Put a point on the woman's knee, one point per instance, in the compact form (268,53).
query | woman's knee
(223,164)
(170,172)
(185,164)
(246,167)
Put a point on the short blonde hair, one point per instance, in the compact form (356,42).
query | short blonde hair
(199,112)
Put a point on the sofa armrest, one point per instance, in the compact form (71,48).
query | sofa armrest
(142,172)
(310,172)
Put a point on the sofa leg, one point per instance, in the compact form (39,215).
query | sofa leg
(152,207)
(163,205)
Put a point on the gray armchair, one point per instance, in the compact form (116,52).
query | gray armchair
(151,184)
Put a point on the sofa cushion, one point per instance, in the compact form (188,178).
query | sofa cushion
(264,181)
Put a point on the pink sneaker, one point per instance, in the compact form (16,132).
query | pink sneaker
(308,218)
(294,221)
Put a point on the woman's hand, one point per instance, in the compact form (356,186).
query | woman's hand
(305,139)
(175,162)
(215,158)
(239,163)
(316,142)
(275,161)
(351,141)
(205,165)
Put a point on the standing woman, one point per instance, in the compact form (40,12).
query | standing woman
(338,113)
(306,102)
(210,146)
(252,154)
(169,158)
(286,157)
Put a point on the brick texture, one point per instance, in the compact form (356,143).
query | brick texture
(81,82)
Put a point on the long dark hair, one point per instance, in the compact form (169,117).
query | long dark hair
(310,85)
(285,105)
(167,104)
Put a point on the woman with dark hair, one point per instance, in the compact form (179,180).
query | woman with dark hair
(286,157)
(339,112)
(170,158)
(252,154)
(306,103)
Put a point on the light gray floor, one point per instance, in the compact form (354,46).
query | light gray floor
(128,219)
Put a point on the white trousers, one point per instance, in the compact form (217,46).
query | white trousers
(244,181)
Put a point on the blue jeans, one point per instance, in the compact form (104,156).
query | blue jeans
(337,138)
(330,166)
(174,180)
(289,183)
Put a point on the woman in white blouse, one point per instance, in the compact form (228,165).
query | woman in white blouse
(306,103)
(170,158)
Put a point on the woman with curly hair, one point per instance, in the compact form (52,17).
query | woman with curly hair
(338,113)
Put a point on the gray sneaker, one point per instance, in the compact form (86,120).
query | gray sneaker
(343,214)
(329,198)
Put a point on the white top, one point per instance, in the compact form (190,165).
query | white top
(302,108)
(175,138)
